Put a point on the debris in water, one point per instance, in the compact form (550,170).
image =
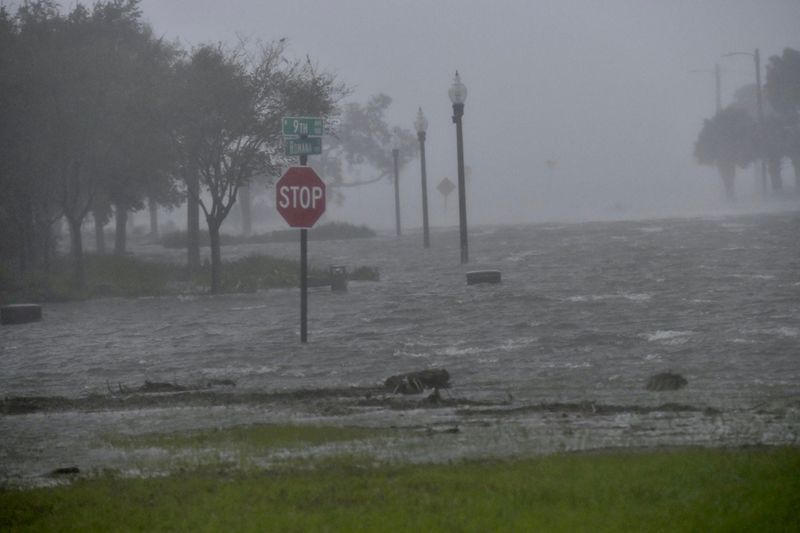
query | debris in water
(221,383)
(157,386)
(65,470)
(666,381)
(416,382)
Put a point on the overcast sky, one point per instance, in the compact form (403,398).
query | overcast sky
(604,87)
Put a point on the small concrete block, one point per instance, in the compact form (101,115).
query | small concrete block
(483,276)
(20,313)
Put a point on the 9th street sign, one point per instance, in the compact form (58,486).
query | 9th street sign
(303,126)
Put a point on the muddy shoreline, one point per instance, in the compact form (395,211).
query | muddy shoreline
(322,401)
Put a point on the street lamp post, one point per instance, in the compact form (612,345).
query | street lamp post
(421,125)
(760,110)
(395,156)
(458,94)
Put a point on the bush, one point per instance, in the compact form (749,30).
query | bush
(129,277)
(260,272)
(325,232)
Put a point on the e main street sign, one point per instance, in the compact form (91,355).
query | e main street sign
(303,127)
(308,146)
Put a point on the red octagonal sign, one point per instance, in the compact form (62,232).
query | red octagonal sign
(300,197)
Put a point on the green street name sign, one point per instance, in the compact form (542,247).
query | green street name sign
(303,126)
(309,146)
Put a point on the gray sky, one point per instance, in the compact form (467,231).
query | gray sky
(604,87)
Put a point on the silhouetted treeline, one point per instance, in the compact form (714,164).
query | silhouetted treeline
(734,138)
(98,116)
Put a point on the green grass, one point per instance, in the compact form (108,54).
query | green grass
(130,277)
(682,490)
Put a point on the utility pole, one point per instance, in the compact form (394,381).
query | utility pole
(421,125)
(761,132)
(395,156)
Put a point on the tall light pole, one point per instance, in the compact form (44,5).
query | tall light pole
(395,156)
(458,94)
(421,125)
(760,109)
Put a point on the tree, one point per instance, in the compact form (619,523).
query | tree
(783,93)
(78,102)
(773,137)
(28,205)
(359,151)
(231,114)
(59,52)
(726,141)
(139,159)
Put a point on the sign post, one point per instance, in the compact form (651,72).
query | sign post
(300,194)
(300,199)
(445,187)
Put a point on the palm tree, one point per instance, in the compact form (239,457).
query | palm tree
(783,92)
(727,140)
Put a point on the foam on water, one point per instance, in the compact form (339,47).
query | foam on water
(634,297)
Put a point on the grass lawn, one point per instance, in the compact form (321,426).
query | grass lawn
(749,490)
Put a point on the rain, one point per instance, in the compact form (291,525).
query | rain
(496,230)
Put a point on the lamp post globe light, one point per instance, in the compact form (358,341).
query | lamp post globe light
(458,94)
(395,156)
(421,125)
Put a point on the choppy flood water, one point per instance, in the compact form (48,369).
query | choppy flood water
(585,314)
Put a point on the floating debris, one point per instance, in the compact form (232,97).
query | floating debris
(65,471)
(20,313)
(220,383)
(151,387)
(666,381)
(417,382)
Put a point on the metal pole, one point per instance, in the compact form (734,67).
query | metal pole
(757,59)
(425,232)
(395,155)
(718,80)
(303,285)
(458,112)
(303,275)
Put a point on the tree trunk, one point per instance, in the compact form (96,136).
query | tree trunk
(56,235)
(99,233)
(24,237)
(727,171)
(245,204)
(193,221)
(76,242)
(47,251)
(153,207)
(120,235)
(216,255)
(774,170)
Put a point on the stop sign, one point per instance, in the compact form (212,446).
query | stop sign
(300,197)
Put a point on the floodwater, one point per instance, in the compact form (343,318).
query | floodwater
(556,357)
